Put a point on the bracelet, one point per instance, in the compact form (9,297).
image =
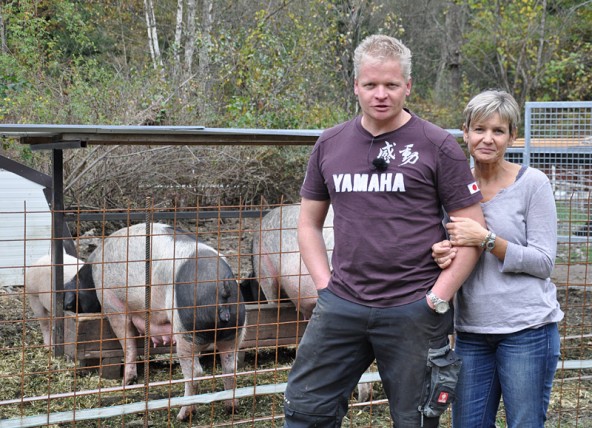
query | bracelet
(489,242)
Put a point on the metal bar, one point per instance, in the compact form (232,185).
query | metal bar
(560,104)
(527,133)
(43,136)
(167,403)
(58,145)
(57,251)
(189,215)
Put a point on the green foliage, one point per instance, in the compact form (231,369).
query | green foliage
(27,34)
(447,115)
(544,55)
(567,75)
(568,78)
(275,65)
(275,74)
(505,52)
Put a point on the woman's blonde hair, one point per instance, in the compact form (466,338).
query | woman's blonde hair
(489,102)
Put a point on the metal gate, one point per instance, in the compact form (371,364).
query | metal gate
(558,141)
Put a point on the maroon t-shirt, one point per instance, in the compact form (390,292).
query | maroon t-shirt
(386,220)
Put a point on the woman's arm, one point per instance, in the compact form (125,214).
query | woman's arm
(537,257)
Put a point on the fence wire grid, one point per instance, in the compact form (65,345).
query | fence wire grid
(76,378)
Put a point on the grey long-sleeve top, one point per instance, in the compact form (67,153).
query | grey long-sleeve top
(509,296)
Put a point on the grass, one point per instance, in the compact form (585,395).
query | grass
(27,369)
(570,404)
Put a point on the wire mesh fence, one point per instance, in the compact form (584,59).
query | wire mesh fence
(84,387)
(74,374)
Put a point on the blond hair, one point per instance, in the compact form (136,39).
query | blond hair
(383,48)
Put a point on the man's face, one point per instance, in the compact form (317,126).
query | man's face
(382,90)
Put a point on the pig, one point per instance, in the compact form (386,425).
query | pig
(38,289)
(79,291)
(278,267)
(195,299)
(277,264)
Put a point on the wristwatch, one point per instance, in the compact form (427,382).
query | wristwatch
(489,242)
(440,306)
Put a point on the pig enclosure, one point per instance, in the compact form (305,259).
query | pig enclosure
(85,385)
(92,353)
(83,388)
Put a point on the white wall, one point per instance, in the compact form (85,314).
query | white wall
(25,226)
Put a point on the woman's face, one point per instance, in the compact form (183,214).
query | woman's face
(488,139)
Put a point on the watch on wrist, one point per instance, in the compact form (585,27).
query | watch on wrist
(440,306)
(489,242)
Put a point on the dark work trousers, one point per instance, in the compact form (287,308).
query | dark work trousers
(341,341)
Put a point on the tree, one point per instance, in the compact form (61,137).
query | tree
(203,71)
(449,78)
(263,64)
(178,40)
(567,75)
(506,52)
(3,46)
(152,35)
(190,37)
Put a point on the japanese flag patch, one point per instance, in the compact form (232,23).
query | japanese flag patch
(473,188)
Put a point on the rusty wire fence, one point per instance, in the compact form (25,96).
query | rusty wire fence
(76,378)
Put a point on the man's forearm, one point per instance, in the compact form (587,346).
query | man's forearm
(314,255)
(452,278)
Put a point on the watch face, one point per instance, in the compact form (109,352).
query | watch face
(442,307)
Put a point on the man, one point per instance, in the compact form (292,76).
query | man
(387,174)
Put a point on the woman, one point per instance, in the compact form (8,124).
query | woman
(507,311)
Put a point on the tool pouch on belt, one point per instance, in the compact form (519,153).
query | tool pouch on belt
(444,366)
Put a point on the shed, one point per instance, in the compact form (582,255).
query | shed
(25,219)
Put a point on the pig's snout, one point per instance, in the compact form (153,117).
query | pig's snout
(224,313)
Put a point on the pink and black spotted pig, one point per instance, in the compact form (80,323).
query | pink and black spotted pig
(195,298)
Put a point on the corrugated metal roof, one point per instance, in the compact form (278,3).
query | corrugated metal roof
(56,136)
(60,135)
(26,221)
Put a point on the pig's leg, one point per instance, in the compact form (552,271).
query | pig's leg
(42,316)
(45,329)
(268,278)
(302,292)
(190,366)
(229,360)
(123,328)
(364,391)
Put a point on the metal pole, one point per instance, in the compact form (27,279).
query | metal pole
(57,251)
(147,297)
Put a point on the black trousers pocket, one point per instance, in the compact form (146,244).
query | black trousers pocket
(444,366)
